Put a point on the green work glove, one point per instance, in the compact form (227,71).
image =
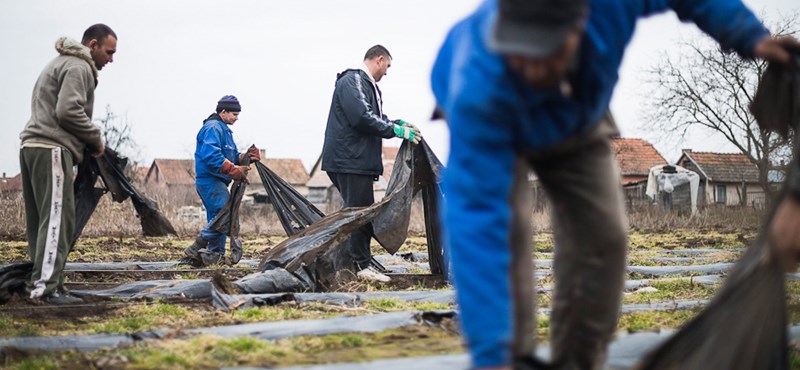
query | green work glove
(407,132)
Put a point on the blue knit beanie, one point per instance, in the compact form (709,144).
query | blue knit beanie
(229,103)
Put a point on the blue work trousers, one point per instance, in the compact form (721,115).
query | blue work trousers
(214,194)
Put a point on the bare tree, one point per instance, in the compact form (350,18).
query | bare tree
(709,88)
(117,135)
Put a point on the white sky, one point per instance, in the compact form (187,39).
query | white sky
(176,58)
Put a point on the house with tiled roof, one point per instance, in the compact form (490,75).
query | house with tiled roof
(290,170)
(172,179)
(10,186)
(729,179)
(635,157)
(176,178)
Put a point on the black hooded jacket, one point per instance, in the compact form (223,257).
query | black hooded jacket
(356,126)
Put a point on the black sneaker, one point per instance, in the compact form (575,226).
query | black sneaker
(61,299)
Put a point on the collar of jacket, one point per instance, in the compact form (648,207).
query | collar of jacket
(68,46)
(369,75)
(217,118)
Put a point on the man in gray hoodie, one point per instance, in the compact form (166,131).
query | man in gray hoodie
(53,140)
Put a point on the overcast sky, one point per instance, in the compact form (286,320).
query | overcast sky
(176,58)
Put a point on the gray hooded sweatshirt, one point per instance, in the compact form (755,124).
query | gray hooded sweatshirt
(62,102)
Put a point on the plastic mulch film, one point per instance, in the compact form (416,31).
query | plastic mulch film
(318,253)
(265,330)
(744,326)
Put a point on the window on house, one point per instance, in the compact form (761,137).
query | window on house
(722,193)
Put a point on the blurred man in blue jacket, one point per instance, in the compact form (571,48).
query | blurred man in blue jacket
(526,84)
(217,162)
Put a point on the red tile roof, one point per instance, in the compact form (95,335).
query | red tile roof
(8,184)
(723,167)
(171,172)
(636,156)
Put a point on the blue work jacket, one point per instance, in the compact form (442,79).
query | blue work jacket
(214,145)
(494,116)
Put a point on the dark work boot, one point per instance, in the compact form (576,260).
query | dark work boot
(210,258)
(192,250)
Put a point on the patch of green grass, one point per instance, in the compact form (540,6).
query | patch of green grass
(672,290)
(394,304)
(652,320)
(36,364)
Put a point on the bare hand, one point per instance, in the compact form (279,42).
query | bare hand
(777,49)
(100,151)
(784,233)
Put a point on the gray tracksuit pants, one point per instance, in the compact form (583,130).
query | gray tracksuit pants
(49,213)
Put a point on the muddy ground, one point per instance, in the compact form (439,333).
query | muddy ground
(25,318)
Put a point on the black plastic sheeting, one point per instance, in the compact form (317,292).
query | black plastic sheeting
(315,254)
(744,325)
(623,353)
(710,269)
(111,168)
(294,211)
(265,330)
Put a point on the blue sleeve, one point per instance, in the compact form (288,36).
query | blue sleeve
(359,111)
(209,147)
(477,185)
(729,22)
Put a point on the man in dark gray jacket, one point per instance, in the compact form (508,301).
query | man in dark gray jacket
(53,140)
(351,154)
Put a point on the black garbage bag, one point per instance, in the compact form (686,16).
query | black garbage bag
(744,326)
(318,250)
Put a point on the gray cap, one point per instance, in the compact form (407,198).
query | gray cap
(535,28)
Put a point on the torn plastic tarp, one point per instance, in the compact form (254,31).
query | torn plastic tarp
(294,211)
(661,179)
(317,254)
(744,325)
(112,170)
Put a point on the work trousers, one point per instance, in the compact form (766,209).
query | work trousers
(356,191)
(214,194)
(581,180)
(49,214)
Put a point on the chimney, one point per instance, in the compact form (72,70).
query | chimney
(686,150)
(263,153)
(4,175)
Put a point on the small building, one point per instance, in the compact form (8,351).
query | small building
(726,179)
(290,170)
(635,158)
(11,187)
(172,180)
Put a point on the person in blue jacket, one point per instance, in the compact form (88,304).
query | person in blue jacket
(526,84)
(217,162)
